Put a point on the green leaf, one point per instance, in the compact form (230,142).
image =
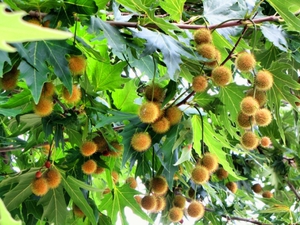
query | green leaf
(174,8)
(14,29)
(73,189)
(121,198)
(276,209)
(115,116)
(105,76)
(214,141)
(170,48)
(17,100)
(82,6)
(284,10)
(5,217)
(55,208)
(124,98)
(276,35)
(4,58)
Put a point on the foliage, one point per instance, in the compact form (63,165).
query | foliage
(124,48)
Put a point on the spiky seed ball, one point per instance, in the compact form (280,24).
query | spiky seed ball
(138,199)
(245,121)
(159,185)
(74,97)
(9,79)
(173,114)
(232,186)
(221,76)
(260,96)
(154,93)
(115,176)
(48,89)
(207,50)
(175,214)
(132,182)
(88,148)
(148,112)
(34,21)
(99,170)
(202,36)
(117,149)
(196,210)
(39,186)
(256,188)
(265,142)
(245,61)
(179,201)
(215,61)
(210,162)
(89,167)
(77,211)
(141,141)
(106,191)
(160,204)
(249,140)
(221,174)
(267,194)
(263,80)
(44,107)
(148,202)
(101,143)
(199,83)
(200,175)
(161,126)
(249,105)
(53,178)
(263,117)
(77,64)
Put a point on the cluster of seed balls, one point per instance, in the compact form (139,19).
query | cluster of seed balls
(257,188)
(77,65)
(150,112)
(42,182)
(253,111)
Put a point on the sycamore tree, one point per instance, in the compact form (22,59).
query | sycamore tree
(181,112)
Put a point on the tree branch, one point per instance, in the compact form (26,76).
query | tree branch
(245,220)
(291,186)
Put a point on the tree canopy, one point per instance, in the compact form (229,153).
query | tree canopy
(183,111)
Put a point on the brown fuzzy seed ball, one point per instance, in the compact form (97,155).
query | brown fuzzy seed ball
(138,199)
(249,105)
(44,107)
(99,170)
(267,194)
(77,211)
(265,142)
(179,201)
(132,182)
(48,89)
(159,185)
(174,115)
(196,210)
(160,204)
(256,188)
(221,174)
(232,186)
(263,80)
(202,36)
(115,176)
(216,60)
(207,50)
(199,83)
(221,76)
(154,93)
(149,112)
(161,126)
(101,143)
(200,175)
(260,96)
(88,148)
(141,141)
(175,214)
(263,117)
(148,202)
(74,97)
(89,167)
(9,79)
(118,149)
(77,64)
(210,162)
(39,186)
(249,140)
(53,178)
(245,121)
(245,62)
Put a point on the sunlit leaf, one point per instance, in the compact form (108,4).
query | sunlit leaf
(5,217)
(174,8)
(276,35)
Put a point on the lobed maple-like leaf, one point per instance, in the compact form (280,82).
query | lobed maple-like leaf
(174,8)
(5,217)
(14,29)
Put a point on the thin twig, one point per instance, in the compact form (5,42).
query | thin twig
(293,189)
(244,219)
